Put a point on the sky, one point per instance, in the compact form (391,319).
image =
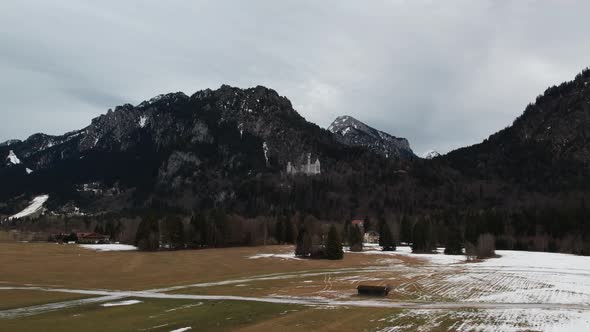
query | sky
(443,74)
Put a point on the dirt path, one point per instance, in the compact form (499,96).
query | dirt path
(108,295)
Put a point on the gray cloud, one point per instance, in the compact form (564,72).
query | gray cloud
(444,74)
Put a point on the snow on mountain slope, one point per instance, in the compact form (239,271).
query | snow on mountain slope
(12,158)
(351,131)
(35,206)
(430,154)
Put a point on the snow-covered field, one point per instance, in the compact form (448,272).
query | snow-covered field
(491,320)
(109,247)
(560,281)
(438,258)
(518,291)
(35,206)
(532,277)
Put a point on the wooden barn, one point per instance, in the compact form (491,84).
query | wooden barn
(373,290)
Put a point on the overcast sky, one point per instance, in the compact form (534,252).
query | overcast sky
(443,74)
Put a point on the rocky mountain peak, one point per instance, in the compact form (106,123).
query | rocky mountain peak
(351,131)
(344,123)
(10,142)
(430,154)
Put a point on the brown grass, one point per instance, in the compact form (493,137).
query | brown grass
(74,267)
(12,299)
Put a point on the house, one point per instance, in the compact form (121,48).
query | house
(373,290)
(371,237)
(92,238)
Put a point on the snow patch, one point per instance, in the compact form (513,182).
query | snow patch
(280,256)
(12,158)
(182,329)
(142,121)
(120,303)
(109,247)
(35,206)
(265,148)
(156,99)
(437,258)
(430,154)
(241,128)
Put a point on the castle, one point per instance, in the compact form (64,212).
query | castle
(307,169)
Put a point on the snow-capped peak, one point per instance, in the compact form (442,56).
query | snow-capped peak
(430,154)
(351,131)
(12,158)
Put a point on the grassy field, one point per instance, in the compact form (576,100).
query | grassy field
(74,267)
(229,272)
(43,287)
(152,315)
(167,315)
(11,299)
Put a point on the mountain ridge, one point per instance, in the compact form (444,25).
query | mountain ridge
(172,143)
(353,132)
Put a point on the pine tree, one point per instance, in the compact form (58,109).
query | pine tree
(173,230)
(367,224)
(346,235)
(200,230)
(454,242)
(422,238)
(386,239)
(147,237)
(279,232)
(406,230)
(356,239)
(303,246)
(289,232)
(334,245)
(380,224)
(217,228)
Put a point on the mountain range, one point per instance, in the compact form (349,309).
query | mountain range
(230,149)
(170,146)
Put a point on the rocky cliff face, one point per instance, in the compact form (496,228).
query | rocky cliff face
(169,144)
(351,131)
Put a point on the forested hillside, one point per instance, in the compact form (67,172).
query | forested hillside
(217,161)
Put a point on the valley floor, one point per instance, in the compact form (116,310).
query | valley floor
(50,287)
